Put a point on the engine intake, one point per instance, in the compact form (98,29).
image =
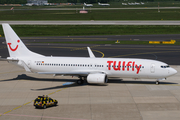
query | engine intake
(97,78)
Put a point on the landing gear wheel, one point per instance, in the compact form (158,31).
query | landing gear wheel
(44,106)
(157,82)
(80,82)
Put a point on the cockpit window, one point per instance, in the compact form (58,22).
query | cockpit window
(165,66)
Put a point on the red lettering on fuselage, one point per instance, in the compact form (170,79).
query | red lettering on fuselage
(117,66)
(128,65)
(133,66)
(109,65)
(123,66)
(138,68)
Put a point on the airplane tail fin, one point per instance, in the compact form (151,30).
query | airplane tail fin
(15,46)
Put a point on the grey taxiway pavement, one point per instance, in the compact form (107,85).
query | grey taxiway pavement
(120,99)
(92,22)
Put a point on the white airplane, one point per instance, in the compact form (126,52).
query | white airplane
(93,69)
(131,3)
(103,4)
(137,3)
(124,4)
(29,4)
(142,3)
(88,5)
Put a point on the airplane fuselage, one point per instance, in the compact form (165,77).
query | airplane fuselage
(93,69)
(112,67)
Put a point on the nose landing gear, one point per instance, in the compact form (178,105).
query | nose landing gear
(157,82)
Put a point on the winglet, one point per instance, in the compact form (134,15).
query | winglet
(91,55)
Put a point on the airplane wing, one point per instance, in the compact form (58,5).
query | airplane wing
(66,73)
(73,73)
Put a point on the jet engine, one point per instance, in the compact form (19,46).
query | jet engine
(97,78)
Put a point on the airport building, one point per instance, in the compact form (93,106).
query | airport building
(37,2)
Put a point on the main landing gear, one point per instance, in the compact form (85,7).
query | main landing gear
(81,80)
(157,82)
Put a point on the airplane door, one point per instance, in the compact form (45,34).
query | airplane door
(152,68)
(29,64)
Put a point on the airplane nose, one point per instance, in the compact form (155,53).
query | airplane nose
(173,71)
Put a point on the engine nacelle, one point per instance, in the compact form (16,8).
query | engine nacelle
(97,78)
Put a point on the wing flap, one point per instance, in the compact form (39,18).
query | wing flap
(66,73)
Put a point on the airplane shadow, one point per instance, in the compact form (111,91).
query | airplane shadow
(120,81)
(74,84)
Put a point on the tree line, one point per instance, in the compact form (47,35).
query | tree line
(81,1)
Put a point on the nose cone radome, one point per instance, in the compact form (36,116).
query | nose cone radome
(173,71)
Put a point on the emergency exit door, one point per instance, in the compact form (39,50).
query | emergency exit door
(152,68)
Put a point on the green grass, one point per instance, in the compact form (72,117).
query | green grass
(76,30)
(165,14)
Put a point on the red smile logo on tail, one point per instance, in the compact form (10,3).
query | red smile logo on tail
(14,48)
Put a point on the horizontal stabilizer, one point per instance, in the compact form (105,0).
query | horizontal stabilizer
(5,59)
(25,66)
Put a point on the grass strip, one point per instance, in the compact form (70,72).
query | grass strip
(130,14)
(76,30)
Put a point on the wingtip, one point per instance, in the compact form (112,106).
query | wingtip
(91,55)
(5,24)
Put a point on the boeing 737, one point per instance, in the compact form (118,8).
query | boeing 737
(94,70)
(103,4)
(88,5)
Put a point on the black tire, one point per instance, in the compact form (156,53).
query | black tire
(55,104)
(44,107)
(80,82)
(36,107)
(157,82)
